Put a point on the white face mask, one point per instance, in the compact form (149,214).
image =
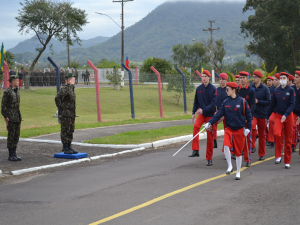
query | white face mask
(283,82)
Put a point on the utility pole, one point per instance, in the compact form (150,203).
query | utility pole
(212,49)
(122,28)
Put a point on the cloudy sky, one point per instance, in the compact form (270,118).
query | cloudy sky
(98,25)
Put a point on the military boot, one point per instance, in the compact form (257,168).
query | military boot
(72,149)
(15,154)
(67,150)
(11,155)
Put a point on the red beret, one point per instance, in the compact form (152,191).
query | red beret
(277,75)
(243,73)
(224,76)
(271,78)
(258,73)
(237,76)
(232,84)
(284,73)
(291,77)
(297,72)
(206,72)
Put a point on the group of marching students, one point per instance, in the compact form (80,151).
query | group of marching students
(267,112)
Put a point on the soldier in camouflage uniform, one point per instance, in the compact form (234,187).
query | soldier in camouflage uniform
(66,103)
(76,76)
(10,109)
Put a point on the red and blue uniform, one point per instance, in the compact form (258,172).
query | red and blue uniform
(221,96)
(206,99)
(232,110)
(263,97)
(248,93)
(296,114)
(283,102)
(270,132)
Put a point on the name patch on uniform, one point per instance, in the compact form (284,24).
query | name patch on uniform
(200,91)
(227,106)
(288,93)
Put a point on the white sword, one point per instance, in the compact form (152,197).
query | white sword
(248,151)
(189,141)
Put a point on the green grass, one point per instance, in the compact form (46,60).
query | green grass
(146,136)
(38,108)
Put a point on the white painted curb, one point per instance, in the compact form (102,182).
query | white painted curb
(19,172)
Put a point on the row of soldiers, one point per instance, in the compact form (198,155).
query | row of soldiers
(270,113)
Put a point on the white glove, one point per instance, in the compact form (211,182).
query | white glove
(207,126)
(246,132)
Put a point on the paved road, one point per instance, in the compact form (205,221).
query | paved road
(86,194)
(88,134)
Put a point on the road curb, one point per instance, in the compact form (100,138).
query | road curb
(28,170)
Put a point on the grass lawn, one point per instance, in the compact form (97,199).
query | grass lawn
(146,136)
(38,108)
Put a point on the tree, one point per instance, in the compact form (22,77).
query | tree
(189,55)
(104,63)
(219,53)
(74,64)
(47,19)
(274,32)
(175,84)
(161,65)
(9,57)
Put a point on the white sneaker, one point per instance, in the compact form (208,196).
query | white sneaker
(287,166)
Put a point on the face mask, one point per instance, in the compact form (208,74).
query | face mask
(283,82)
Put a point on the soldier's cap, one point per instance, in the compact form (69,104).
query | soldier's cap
(237,76)
(297,72)
(70,75)
(271,78)
(277,75)
(284,74)
(206,72)
(291,77)
(224,76)
(12,77)
(232,84)
(258,73)
(243,73)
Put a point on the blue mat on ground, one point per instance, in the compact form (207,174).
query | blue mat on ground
(79,155)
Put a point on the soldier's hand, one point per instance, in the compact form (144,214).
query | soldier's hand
(283,118)
(6,120)
(193,117)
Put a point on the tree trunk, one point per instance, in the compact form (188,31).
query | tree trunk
(27,79)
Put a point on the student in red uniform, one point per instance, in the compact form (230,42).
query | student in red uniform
(247,92)
(204,107)
(221,96)
(269,135)
(236,111)
(262,101)
(237,79)
(296,111)
(283,101)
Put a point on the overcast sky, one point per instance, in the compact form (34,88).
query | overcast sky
(98,25)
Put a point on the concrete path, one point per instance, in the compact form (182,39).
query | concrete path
(87,134)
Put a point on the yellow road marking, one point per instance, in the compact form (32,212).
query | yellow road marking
(171,194)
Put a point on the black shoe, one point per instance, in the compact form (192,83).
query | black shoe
(215,144)
(229,172)
(253,150)
(271,144)
(11,155)
(261,158)
(237,178)
(247,164)
(195,153)
(268,143)
(72,149)
(209,162)
(233,156)
(277,162)
(67,150)
(293,148)
(15,154)
(243,152)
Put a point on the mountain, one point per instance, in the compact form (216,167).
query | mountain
(169,24)
(31,44)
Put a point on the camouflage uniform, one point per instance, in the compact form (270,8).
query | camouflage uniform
(10,108)
(66,102)
(76,76)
